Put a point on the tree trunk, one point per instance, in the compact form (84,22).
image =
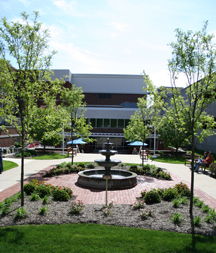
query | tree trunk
(192,177)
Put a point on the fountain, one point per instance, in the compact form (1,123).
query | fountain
(97,178)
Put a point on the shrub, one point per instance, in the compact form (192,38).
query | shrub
(76,207)
(29,188)
(169,194)
(184,200)
(146,213)
(46,200)
(197,221)
(143,193)
(182,189)
(212,168)
(176,218)
(139,204)
(199,204)
(176,203)
(21,213)
(206,208)
(152,196)
(17,145)
(43,190)
(60,195)
(43,210)
(134,168)
(35,197)
(82,165)
(90,165)
(209,219)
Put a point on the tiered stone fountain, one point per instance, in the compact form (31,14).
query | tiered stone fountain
(117,179)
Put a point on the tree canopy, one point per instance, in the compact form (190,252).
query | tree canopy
(25,77)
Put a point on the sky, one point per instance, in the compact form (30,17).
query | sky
(115,36)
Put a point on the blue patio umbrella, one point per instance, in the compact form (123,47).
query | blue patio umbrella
(76,142)
(138,143)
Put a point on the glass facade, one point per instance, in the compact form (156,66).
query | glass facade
(107,123)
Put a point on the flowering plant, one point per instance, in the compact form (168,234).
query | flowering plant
(76,207)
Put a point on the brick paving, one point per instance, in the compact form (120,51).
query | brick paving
(97,196)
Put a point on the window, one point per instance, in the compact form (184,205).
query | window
(120,123)
(106,122)
(104,95)
(93,122)
(126,122)
(99,122)
(113,122)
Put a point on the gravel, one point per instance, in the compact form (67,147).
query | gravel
(121,215)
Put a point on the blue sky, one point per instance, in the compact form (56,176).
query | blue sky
(115,36)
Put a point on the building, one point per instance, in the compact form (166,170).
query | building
(111,100)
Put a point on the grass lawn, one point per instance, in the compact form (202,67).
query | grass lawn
(49,156)
(99,238)
(168,159)
(7,165)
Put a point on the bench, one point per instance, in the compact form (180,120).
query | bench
(206,166)
(69,151)
(188,159)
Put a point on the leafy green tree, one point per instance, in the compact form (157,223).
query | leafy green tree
(24,45)
(193,56)
(47,123)
(72,99)
(140,125)
(171,131)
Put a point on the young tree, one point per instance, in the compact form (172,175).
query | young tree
(140,125)
(47,123)
(73,101)
(193,56)
(24,45)
(172,132)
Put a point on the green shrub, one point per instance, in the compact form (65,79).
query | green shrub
(43,190)
(206,208)
(90,165)
(82,165)
(21,213)
(197,221)
(176,203)
(139,205)
(176,218)
(29,188)
(184,200)
(43,210)
(183,189)
(152,196)
(17,145)
(76,207)
(169,194)
(60,195)
(35,197)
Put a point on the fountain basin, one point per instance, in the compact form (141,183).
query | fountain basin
(109,163)
(120,179)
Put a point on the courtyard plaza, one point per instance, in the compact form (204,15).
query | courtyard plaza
(204,185)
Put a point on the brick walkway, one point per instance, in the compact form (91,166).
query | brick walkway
(97,196)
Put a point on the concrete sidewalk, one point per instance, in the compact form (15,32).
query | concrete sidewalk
(11,177)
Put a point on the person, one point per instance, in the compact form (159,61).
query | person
(134,152)
(1,161)
(208,160)
(204,157)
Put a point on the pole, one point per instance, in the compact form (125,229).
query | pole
(63,142)
(106,189)
(154,156)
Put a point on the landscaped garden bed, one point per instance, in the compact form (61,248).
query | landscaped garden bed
(158,209)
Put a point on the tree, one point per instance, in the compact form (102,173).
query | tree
(47,123)
(140,126)
(72,99)
(24,45)
(193,56)
(171,131)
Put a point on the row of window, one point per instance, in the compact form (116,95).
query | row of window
(113,123)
